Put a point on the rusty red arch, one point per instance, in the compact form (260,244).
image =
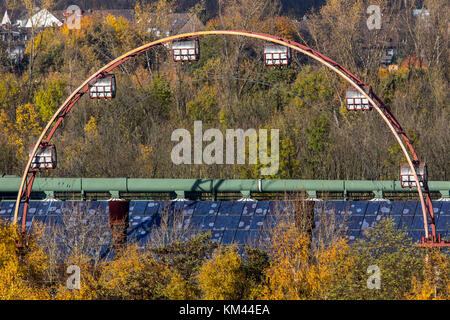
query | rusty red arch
(394,126)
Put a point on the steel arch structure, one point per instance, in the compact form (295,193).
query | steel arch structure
(394,126)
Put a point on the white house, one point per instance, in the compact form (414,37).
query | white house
(43,19)
(5,19)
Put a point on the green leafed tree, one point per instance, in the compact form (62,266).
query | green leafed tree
(48,98)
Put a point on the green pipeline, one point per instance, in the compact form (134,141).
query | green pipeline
(11,184)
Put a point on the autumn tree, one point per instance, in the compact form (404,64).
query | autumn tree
(392,252)
(222,277)
(21,268)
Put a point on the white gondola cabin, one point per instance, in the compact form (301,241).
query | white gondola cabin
(407,178)
(356,101)
(45,157)
(186,50)
(276,54)
(103,88)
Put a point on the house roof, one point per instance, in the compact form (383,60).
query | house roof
(179,23)
(43,19)
(5,19)
(184,23)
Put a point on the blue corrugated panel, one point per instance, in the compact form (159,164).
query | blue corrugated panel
(262,208)
(397,208)
(5,210)
(225,208)
(32,209)
(139,229)
(103,207)
(220,222)
(10,207)
(233,223)
(437,210)
(356,213)
(166,207)
(418,219)
(444,219)
(216,235)
(373,207)
(40,214)
(355,222)
(357,208)
(228,237)
(141,220)
(416,235)
(43,208)
(92,207)
(137,207)
(445,209)
(249,208)
(19,215)
(166,211)
(252,237)
(372,215)
(257,222)
(339,207)
(385,209)
(152,208)
(318,208)
(226,222)
(53,220)
(189,207)
(238,207)
(208,222)
(408,213)
(342,207)
(394,211)
(196,222)
(240,237)
(207,208)
(272,220)
(239,221)
(187,222)
(245,222)
(178,205)
(54,213)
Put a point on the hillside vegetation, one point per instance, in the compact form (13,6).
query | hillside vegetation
(229,88)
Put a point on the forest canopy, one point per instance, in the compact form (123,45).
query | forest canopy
(230,87)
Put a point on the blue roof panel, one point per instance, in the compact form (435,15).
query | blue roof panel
(238,208)
(207,208)
(245,222)
(249,208)
(239,221)
(228,237)
(397,208)
(357,208)
(262,208)
(257,222)
(241,237)
(373,207)
(151,208)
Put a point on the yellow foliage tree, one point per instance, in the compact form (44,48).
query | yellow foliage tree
(26,126)
(435,281)
(21,271)
(89,285)
(297,273)
(134,275)
(222,277)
